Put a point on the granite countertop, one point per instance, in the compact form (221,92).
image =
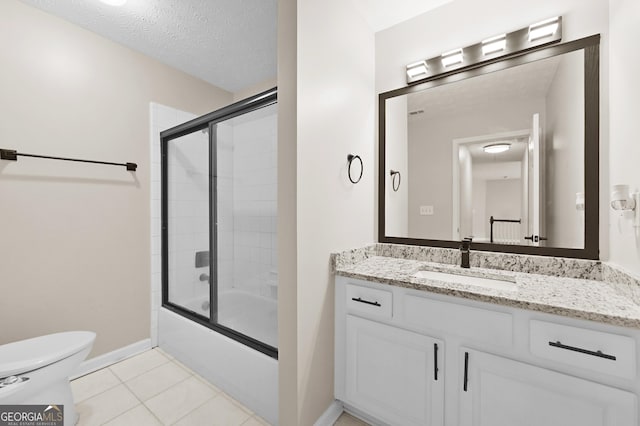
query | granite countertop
(589,299)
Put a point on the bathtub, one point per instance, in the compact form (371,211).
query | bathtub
(245,312)
(248,375)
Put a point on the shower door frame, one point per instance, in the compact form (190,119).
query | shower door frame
(207,122)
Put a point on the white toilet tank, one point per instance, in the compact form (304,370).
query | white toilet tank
(36,371)
(32,354)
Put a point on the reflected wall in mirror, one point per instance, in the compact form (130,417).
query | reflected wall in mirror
(497,156)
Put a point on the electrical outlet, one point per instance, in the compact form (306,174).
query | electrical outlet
(426,210)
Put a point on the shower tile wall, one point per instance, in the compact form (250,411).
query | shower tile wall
(188,209)
(224,142)
(255,206)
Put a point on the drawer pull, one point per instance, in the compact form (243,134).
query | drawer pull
(582,351)
(466,371)
(435,361)
(357,299)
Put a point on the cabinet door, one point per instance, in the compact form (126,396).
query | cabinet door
(392,373)
(502,392)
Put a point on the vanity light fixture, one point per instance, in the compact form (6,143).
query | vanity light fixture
(452,57)
(543,29)
(494,44)
(496,148)
(416,69)
(491,49)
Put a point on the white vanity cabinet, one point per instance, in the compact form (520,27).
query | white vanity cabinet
(409,357)
(502,392)
(392,373)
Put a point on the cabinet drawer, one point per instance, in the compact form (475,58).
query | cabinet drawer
(370,301)
(481,325)
(580,347)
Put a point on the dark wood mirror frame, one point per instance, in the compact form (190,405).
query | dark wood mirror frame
(591,47)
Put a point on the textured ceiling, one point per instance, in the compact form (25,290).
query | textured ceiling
(228,43)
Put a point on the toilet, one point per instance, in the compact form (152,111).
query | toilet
(36,371)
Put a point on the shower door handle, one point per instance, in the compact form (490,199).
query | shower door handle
(204,277)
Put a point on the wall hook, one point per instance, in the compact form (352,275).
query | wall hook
(350,159)
(395,183)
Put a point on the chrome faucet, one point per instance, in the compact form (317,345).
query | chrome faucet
(465,248)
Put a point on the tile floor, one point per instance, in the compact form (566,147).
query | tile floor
(153,388)
(347,419)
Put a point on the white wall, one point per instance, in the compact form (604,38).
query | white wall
(335,117)
(430,152)
(480,226)
(524,181)
(466,192)
(79,234)
(483,175)
(457,24)
(263,86)
(503,198)
(396,202)
(564,152)
(288,404)
(625,127)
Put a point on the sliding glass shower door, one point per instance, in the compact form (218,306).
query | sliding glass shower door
(187,222)
(219,220)
(246,163)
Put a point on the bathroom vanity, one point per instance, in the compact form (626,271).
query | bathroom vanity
(499,149)
(427,343)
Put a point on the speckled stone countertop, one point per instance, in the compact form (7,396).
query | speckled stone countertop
(583,294)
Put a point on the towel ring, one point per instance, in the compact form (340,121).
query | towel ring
(350,159)
(395,185)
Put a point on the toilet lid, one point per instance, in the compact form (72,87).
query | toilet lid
(31,354)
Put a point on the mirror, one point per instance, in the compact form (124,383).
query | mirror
(496,153)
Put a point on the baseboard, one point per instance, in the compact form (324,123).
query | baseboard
(105,360)
(331,414)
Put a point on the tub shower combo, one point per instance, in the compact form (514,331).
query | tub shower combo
(219,249)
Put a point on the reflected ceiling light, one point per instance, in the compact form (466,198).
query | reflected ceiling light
(494,44)
(114,2)
(496,148)
(416,69)
(544,29)
(452,57)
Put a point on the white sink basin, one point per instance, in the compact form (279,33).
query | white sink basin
(495,284)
